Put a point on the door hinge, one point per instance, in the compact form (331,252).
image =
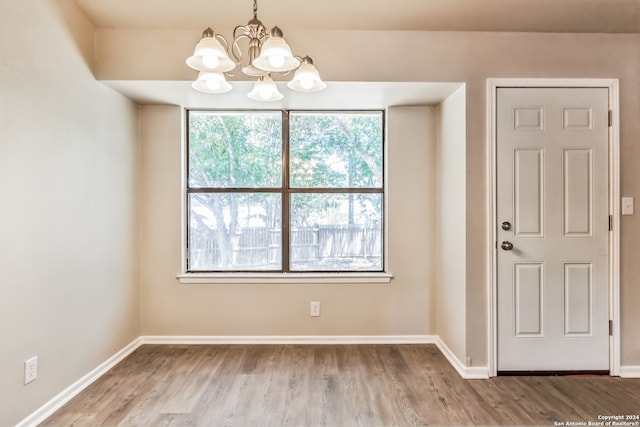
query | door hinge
(610,328)
(610,222)
(610,117)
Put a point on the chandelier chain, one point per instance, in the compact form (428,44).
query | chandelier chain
(255,9)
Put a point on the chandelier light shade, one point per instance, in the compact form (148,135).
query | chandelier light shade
(267,53)
(276,55)
(306,78)
(265,89)
(209,55)
(211,82)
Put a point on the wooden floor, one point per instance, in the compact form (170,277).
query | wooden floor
(330,385)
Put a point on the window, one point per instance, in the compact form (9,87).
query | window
(285,191)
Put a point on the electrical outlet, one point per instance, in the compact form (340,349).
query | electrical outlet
(315,309)
(30,370)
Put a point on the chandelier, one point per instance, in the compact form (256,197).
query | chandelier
(214,57)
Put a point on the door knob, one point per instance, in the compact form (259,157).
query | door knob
(507,246)
(506,226)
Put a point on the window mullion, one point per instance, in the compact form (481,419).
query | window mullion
(337,190)
(285,226)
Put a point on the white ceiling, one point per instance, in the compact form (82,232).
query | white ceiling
(589,16)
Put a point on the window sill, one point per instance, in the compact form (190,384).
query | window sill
(283,278)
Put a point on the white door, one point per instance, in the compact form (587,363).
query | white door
(552,231)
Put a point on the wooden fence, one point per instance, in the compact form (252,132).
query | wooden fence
(312,247)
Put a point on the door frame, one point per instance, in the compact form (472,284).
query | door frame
(614,206)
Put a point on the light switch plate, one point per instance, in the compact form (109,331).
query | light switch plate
(627,206)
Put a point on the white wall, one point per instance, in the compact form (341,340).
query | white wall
(79,313)
(68,196)
(398,308)
(443,57)
(451,302)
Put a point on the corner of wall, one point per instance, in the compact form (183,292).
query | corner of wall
(451,223)
(81,30)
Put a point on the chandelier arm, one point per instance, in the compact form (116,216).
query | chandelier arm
(243,29)
(236,54)
(222,40)
(225,44)
(235,50)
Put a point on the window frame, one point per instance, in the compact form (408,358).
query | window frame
(285,190)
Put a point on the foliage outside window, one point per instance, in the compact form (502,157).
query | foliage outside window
(285,191)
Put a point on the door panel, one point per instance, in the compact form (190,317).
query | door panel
(528,300)
(529,187)
(578,299)
(577,194)
(552,189)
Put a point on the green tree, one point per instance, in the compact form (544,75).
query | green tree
(233,150)
(336,150)
(243,150)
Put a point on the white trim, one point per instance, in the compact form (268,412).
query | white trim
(275,278)
(630,371)
(614,241)
(290,339)
(184,222)
(614,207)
(492,346)
(283,278)
(74,389)
(466,372)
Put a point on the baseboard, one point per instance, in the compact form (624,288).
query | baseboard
(74,389)
(629,371)
(466,372)
(290,339)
